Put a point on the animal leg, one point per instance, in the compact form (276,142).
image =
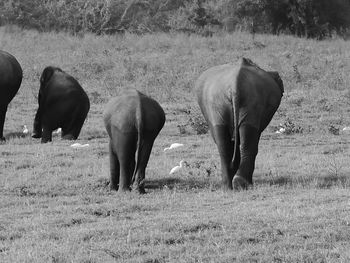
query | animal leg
(144,154)
(46,135)
(125,147)
(249,138)
(37,130)
(114,168)
(72,130)
(225,145)
(2,121)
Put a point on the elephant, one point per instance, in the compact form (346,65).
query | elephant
(62,104)
(11,75)
(238,102)
(133,121)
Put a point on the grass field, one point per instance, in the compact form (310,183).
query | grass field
(55,202)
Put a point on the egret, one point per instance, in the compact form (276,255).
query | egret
(78,145)
(173,146)
(177,168)
(25,129)
(58,131)
(281,130)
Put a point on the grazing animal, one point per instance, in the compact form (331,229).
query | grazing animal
(238,102)
(133,121)
(177,168)
(173,146)
(62,104)
(11,75)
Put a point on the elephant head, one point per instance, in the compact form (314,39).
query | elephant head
(62,104)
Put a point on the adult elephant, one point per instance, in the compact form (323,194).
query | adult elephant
(238,102)
(133,121)
(10,80)
(62,104)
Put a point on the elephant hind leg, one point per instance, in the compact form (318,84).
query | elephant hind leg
(2,121)
(222,137)
(249,138)
(124,145)
(144,154)
(46,135)
(114,168)
(72,130)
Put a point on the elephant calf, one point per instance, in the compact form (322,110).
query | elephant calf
(133,121)
(10,80)
(62,104)
(238,102)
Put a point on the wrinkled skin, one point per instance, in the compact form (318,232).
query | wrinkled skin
(10,80)
(133,121)
(62,104)
(238,102)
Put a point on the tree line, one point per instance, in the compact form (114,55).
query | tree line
(305,18)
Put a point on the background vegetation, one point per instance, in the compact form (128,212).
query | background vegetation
(309,18)
(54,200)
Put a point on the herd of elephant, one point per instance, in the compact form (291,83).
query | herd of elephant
(237,100)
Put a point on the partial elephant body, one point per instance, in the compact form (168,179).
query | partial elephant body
(238,102)
(62,104)
(10,80)
(133,121)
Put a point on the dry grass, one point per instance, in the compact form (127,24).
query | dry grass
(54,200)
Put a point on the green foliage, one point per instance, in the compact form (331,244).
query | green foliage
(309,18)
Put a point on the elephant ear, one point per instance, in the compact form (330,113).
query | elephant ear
(277,78)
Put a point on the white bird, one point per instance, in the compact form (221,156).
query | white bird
(78,145)
(281,130)
(58,131)
(25,129)
(173,146)
(177,168)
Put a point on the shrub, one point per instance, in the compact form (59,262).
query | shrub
(197,121)
(309,18)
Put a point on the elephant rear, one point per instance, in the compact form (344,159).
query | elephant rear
(238,102)
(11,75)
(133,121)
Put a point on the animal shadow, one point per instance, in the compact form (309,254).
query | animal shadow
(180,184)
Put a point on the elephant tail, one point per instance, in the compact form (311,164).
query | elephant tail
(139,126)
(236,154)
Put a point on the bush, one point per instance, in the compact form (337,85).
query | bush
(197,121)
(309,18)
